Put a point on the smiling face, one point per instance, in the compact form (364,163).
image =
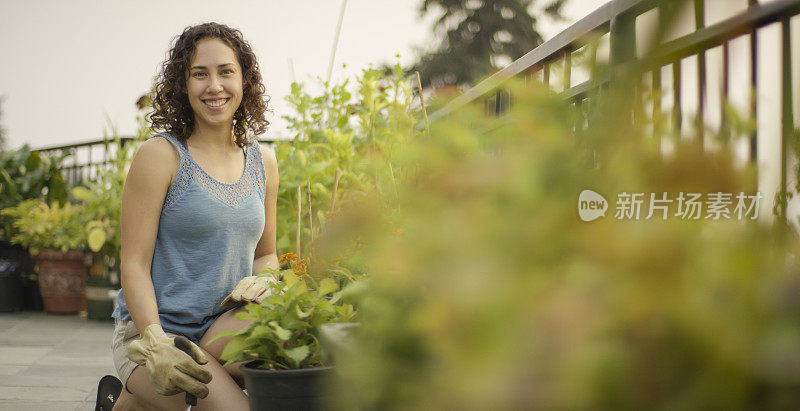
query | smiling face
(214,84)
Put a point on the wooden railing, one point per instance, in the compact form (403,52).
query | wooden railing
(659,71)
(81,161)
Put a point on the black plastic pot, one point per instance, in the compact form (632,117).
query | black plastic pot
(31,297)
(28,291)
(299,389)
(99,303)
(10,286)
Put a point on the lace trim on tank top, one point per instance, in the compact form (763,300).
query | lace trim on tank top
(231,194)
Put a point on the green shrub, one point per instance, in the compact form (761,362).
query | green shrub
(340,132)
(101,198)
(42,226)
(487,291)
(24,175)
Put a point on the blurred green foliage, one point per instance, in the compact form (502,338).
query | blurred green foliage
(102,199)
(85,217)
(25,175)
(39,225)
(487,291)
(101,196)
(2,129)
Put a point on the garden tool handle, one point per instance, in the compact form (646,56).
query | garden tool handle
(183,345)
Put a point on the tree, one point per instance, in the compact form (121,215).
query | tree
(479,37)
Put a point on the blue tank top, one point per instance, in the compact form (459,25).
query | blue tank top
(206,241)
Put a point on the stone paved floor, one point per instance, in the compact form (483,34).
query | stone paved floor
(52,362)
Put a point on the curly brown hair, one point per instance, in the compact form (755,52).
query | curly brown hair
(171,109)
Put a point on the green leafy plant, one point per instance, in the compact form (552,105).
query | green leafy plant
(42,226)
(285,329)
(24,175)
(102,198)
(102,195)
(335,136)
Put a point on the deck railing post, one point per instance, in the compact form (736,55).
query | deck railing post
(622,31)
(787,120)
(623,40)
(699,23)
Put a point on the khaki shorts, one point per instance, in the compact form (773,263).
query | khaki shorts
(124,333)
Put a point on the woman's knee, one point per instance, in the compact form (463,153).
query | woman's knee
(224,392)
(129,402)
(225,322)
(145,396)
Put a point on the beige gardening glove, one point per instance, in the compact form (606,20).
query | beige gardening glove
(171,370)
(252,288)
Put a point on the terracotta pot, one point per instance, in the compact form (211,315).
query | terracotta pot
(96,270)
(62,281)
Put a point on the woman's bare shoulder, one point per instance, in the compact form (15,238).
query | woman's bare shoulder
(267,156)
(157,148)
(159,157)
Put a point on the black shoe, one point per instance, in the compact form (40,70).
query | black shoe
(107,393)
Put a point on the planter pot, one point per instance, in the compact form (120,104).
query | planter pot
(31,296)
(99,303)
(299,389)
(16,291)
(10,286)
(62,281)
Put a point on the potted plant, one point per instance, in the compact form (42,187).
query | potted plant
(101,290)
(284,363)
(102,199)
(10,286)
(24,174)
(55,235)
(103,240)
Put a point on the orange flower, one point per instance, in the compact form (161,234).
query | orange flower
(300,267)
(288,257)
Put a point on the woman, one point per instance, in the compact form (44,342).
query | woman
(198,225)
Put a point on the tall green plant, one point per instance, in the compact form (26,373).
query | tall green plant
(102,195)
(336,132)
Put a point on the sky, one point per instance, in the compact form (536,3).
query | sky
(70,69)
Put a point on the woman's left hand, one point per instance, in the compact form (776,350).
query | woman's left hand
(252,288)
